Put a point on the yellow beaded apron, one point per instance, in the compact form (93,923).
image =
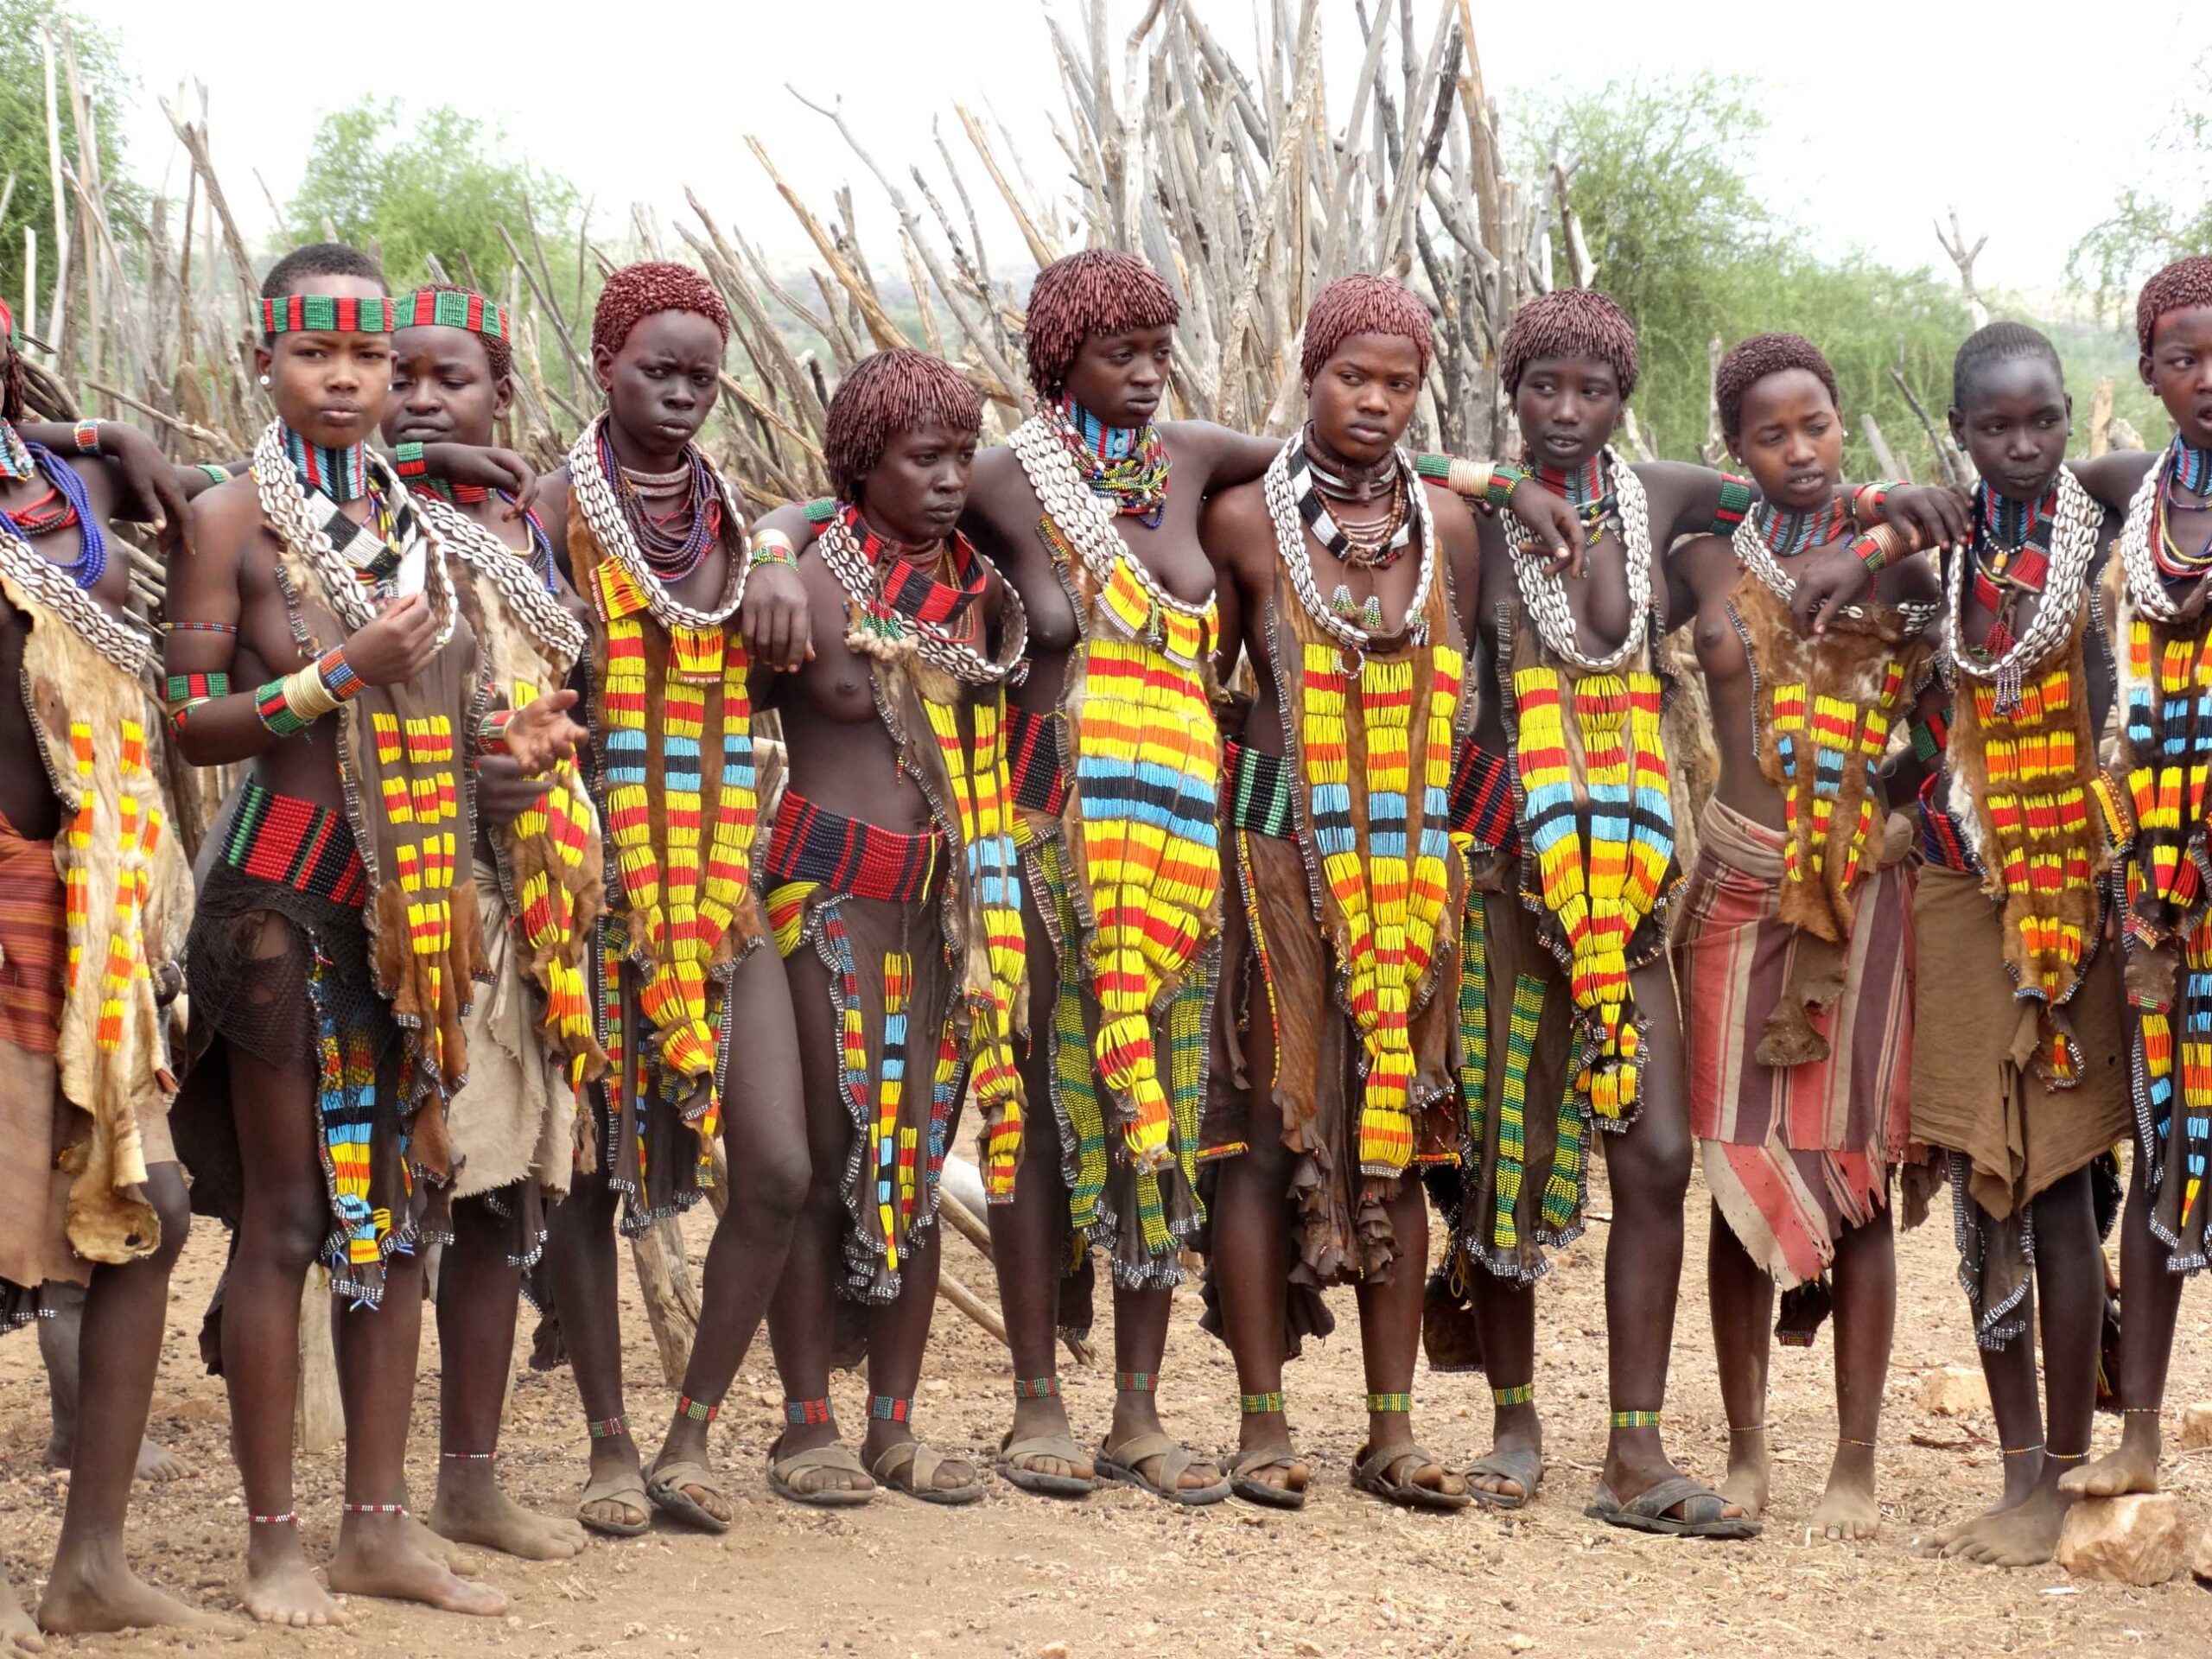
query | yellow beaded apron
(1369,735)
(2157,803)
(1129,881)
(550,859)
(672,721)
(1822,711)
(127,896)
(413,817)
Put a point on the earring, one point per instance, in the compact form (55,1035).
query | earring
(264,379)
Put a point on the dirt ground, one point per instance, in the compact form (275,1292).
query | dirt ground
(1125,1573)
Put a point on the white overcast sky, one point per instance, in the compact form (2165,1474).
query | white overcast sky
(2029,116)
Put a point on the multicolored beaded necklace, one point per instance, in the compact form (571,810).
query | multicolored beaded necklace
(936,607)
(673,543)
(341,474)
(1789,532)
(64,504)
(1582,486)
(2011,556)
(1292,501)
(2189,472)
(1126,464)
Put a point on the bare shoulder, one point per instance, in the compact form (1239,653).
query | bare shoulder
(226,519)
(1453,517)
(789,521)
(1708,562)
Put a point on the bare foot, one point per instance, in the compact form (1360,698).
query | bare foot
(2023,1535)
(281,1588)
(82,1599)
(157,1463)
(376,1558)
(1847,1511)
(2133,1468)
(1750,1471)
(18,1633)
(444,1552)
(487,1517)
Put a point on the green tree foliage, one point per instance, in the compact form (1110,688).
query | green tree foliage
(23,154)
(432,184)
(2149,227)
(1680,239)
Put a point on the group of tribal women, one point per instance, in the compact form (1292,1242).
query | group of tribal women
(1267,835)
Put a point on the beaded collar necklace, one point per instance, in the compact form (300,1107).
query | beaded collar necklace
(2071,519)
(2011,551)
(901,605)
(1582,487)
(1788,531)
(357,565)
(341,474)
(674,543)
(1295,509)
(1128,464)
(43,517)
(2189,472)
(2146,553)
(1543,590)
(1376,545)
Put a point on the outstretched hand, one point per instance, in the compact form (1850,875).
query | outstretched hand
(541,736)
(1552,522)
(487,467)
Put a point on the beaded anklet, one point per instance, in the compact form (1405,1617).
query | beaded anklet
(1750,1429)
(890,1408)
(373,1509)
(468,1457)
(2020,1451)
(2066,1457)
(1520,1394)
(1036,1387)
(1635,1419)
(608,1428)
(1136,1381)
(1846,1440)
(1260,1404)
(289,1518)
(807,1414)
(1389,1403)
(2140,1411)
(697,1411)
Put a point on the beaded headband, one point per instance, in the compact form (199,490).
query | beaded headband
(325,313)
(446,307)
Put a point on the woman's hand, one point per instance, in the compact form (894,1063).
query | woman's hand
(773,619)
(1552,521)
(541,736)
(396,645)
(503,794)
(484,468)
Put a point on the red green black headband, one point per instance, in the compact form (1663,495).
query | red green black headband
(447,307)
(325,313)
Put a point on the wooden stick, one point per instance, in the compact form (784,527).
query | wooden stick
(952,1290)
(965,1221)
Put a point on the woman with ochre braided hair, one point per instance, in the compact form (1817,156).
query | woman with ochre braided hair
(1793,952)
(537,870)
(1572,1021)
(1091,512)
(893,891)
(650,535)
(1347,581)
(333,956)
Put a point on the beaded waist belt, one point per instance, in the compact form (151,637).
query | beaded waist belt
(1256,791)
(296,844)
(812,843)
(1482,798)
(1033,760)
(1940,843)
